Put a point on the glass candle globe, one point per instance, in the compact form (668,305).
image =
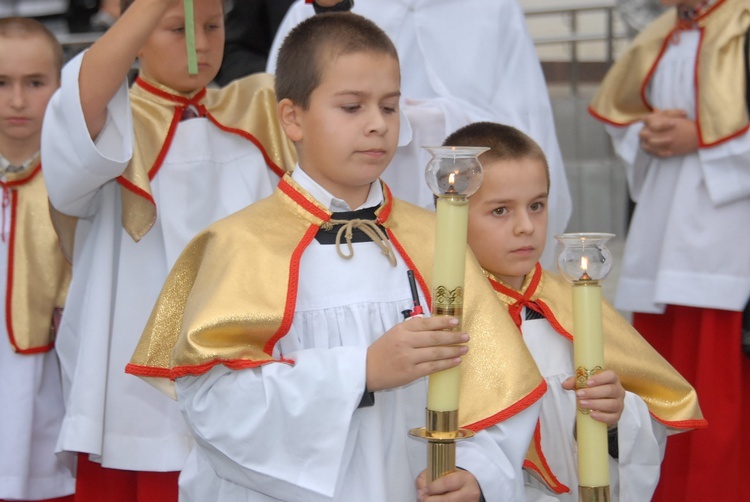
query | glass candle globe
(454,170)
(584,256)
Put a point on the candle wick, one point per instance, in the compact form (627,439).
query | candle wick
(585,277)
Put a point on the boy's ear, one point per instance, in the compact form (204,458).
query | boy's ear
(290,117)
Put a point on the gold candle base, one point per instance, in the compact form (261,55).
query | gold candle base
(441,434)
(593,494)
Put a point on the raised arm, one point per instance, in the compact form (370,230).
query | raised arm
(109,60)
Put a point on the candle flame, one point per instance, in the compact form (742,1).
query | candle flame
(452,178)
(584,263)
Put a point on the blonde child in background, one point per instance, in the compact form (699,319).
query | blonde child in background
(639,395)
(34,273)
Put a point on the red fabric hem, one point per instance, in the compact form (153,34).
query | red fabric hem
(512,410)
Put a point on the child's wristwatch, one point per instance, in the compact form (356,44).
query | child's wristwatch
(343,6)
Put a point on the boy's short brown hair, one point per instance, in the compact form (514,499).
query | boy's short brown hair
(25,27)
(504,143)
(323,37)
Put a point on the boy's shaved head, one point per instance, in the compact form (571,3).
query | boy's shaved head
(321,38)
(22,27)
(504,142)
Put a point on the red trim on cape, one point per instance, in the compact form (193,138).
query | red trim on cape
(291,290)
(557,486)
(525,300)
(147,371)
(195,100)
(244,134)
(682,424)
(234,364)
(297,197)
(512,410)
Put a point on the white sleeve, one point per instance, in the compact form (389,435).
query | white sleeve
(495,456)
(626,143)
(278,429)
(75,166)
(726,169)
(641,443)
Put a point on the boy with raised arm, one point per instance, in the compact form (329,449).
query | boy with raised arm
(639,395)
(34,273)
(133,176)
(281,324)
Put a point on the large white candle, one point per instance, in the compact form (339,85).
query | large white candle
(448,283)
(588,349)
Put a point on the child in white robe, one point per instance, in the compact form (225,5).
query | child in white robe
(292,362)
(34,273)
(132,180)
(639,395)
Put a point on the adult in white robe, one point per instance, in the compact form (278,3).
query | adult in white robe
(207,174)
(479,58)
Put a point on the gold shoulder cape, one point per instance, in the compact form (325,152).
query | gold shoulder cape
(671,400)
(37,273)
(231,296)
(246,107)
(721,111)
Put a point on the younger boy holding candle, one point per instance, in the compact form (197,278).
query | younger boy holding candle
(34,273)
(292,365)
(639,395)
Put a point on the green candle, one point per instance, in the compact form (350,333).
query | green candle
(190,37)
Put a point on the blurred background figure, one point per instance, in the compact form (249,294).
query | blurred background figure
(250,26)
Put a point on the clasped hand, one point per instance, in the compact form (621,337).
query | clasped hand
(668,133)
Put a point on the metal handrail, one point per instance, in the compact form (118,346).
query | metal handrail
(575,38)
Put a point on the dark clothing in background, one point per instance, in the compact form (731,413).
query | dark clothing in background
(250,27)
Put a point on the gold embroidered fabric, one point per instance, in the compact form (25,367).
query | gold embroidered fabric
(246,107)
(39,273)
(224,305)
(720,73)
(642,371)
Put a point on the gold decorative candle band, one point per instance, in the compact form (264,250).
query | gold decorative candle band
(582,377)
(451,310)
(593,494)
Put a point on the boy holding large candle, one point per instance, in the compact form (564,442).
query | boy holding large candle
(638,395)
(282,327)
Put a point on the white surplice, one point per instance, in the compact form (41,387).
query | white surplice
(478,57)
(641,440)
(295,432)
(687,243)
(207,174)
